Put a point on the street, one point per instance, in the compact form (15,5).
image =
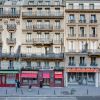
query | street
(52,98)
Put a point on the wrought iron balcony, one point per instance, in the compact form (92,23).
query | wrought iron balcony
(93,64)
(11,40)
(59,41)
(94,52)
(82,64)
(71,21)
(11,27)
(7,14)
(42,41)
(82,21)
(82,35)
(42,14)
(93,35)
(11,68)
(43,27)
(51,56)
(93,21)
(71,64)
(71,35)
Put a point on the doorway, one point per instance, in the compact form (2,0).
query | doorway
(46,82)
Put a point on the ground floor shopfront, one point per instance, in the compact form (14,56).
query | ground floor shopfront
(82,76)
(51,78)
(8,77)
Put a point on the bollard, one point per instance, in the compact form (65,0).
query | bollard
(54,92)
(87,91)
(38,92)
(6,91)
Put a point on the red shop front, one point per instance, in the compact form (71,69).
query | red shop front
(58,79)
(29,77)
(8,77)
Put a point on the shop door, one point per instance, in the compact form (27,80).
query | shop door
(2,79)
(46,81)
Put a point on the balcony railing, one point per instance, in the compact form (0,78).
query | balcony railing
(82,21)
(71,35)
(93,35)
(11,40)
(10,68)
(42,41)
(9,14)
(42,27)
(93,64)
(93,21)
(11,27)
(71,21)
(82,35)
(82,64)
(57,27)
(71,64)
(50,14)
(43,56)
(95,52)
(57,41)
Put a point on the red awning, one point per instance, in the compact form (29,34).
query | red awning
(28,75)
(46,75)
(58,76)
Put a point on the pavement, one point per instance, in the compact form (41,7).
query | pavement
(71,91)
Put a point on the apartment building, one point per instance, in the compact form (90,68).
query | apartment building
(32,47)
(82,42)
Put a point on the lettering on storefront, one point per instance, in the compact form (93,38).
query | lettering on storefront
(35,72)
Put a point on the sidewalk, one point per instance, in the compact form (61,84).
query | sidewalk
(51,91)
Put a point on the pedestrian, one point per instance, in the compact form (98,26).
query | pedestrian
(16,85)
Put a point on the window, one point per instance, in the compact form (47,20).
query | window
(57,11)
(29,49)
(13,11)
(93,18)
(93,61)
(71,31)
(29,11)
(29,24)
(93,31)
(57,36)
(28,64)
(57,2)
(1,11)
(81,6)
(10,64)
(40,2)
(71,61)
(11,49)
(57,49)
(57,64)
(82,61)
(31,2)
(46,64)
(39,35)
(57,24)
(47,24)
(82,18)
(46,36)
(71,46)
(91,6)
(71,17)
(82,31)
(28,37)
(39,23)
(70,6)
(47,11)
(38,64)
(39,12)
(47,3)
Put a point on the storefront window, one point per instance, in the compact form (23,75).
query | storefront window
(58,81)
(10,78)
(29,81)
(81,78)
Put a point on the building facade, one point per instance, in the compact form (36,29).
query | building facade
(82,42)
(53,41)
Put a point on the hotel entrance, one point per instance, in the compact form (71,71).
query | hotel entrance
(46,82)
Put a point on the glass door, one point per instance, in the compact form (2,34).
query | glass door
(46,81)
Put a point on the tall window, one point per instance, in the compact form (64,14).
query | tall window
(46,36)
(47,11)
(57,63)
(71,46)
(57,49)
(71,17)
(11,49)
(57,24)
(82,18)
(28,64)
(29,11)
(29,24)
(93,18)
(57,36)
(39,35)
(38,64)
(40,2)
(93,61)
(82,31)
(28,37)
(57,2)
(93,31)
(1,11)
(47,2)
(71,31)
(46,64)
(91,6)
(82,61)
(39,11)
(39,23)
(57,11)
(13,11)
(71,61)
(81,6)
(71,6)
(11,64)
(29,49)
